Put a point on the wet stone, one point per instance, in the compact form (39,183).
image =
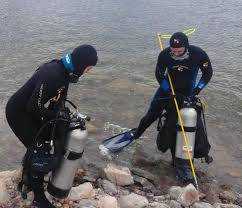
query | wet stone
(202,205)
(228,197)
(175,204)
(89,204)
(83,191)
(221,205)
(133,201)
(118,175)
(107,202)
(159,198)
(108,187)
(145,174)
(158,205)
(188,196)
(175,192)
(147,186)
(239,200)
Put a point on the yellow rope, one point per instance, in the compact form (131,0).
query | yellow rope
(188,32)
(180,121)
(204,103)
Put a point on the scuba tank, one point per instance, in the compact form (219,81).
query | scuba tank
(62,178)
(170,136)
(63,159)
(189,117)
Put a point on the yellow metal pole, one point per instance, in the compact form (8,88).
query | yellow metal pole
(180,121)
(160,42)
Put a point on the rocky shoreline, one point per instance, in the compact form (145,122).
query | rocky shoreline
(119,187)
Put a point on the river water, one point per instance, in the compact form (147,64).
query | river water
(123,82)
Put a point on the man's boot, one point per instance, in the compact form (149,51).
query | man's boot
(183,171)
(40,200)
(24,185)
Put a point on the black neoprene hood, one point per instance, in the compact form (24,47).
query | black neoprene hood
(179,40)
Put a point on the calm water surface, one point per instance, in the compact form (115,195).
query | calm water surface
(119,90)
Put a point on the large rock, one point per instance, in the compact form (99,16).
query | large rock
(4,197)
(228,197)
(108,187)
(211,189)
(239,200)
(6,184)
(99,192)
(175,204)
(123,191)
(175,192)
(161,198)
(118,175)
(148,186)
(107,202)
(188,196)
(133,201)
(220,205)
(146,174)
(202,205)
(158,205)
(83,191)
(87,203)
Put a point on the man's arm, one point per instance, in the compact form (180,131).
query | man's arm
(160,73)
(207,72)
(160,69)
(42,93)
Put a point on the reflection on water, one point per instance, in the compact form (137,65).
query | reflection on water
(120,88)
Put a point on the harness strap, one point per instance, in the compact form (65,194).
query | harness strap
(186,128)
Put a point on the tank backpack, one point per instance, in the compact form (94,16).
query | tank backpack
(167,131)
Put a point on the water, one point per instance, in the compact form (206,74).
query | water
(120,88)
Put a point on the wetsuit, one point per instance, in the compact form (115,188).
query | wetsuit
(26,110)
(184,76)
(40,100)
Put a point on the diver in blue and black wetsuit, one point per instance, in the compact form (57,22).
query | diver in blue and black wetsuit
(183,62)
(26,110)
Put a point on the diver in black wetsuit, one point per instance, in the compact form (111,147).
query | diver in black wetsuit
(183,62)
(26,110)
